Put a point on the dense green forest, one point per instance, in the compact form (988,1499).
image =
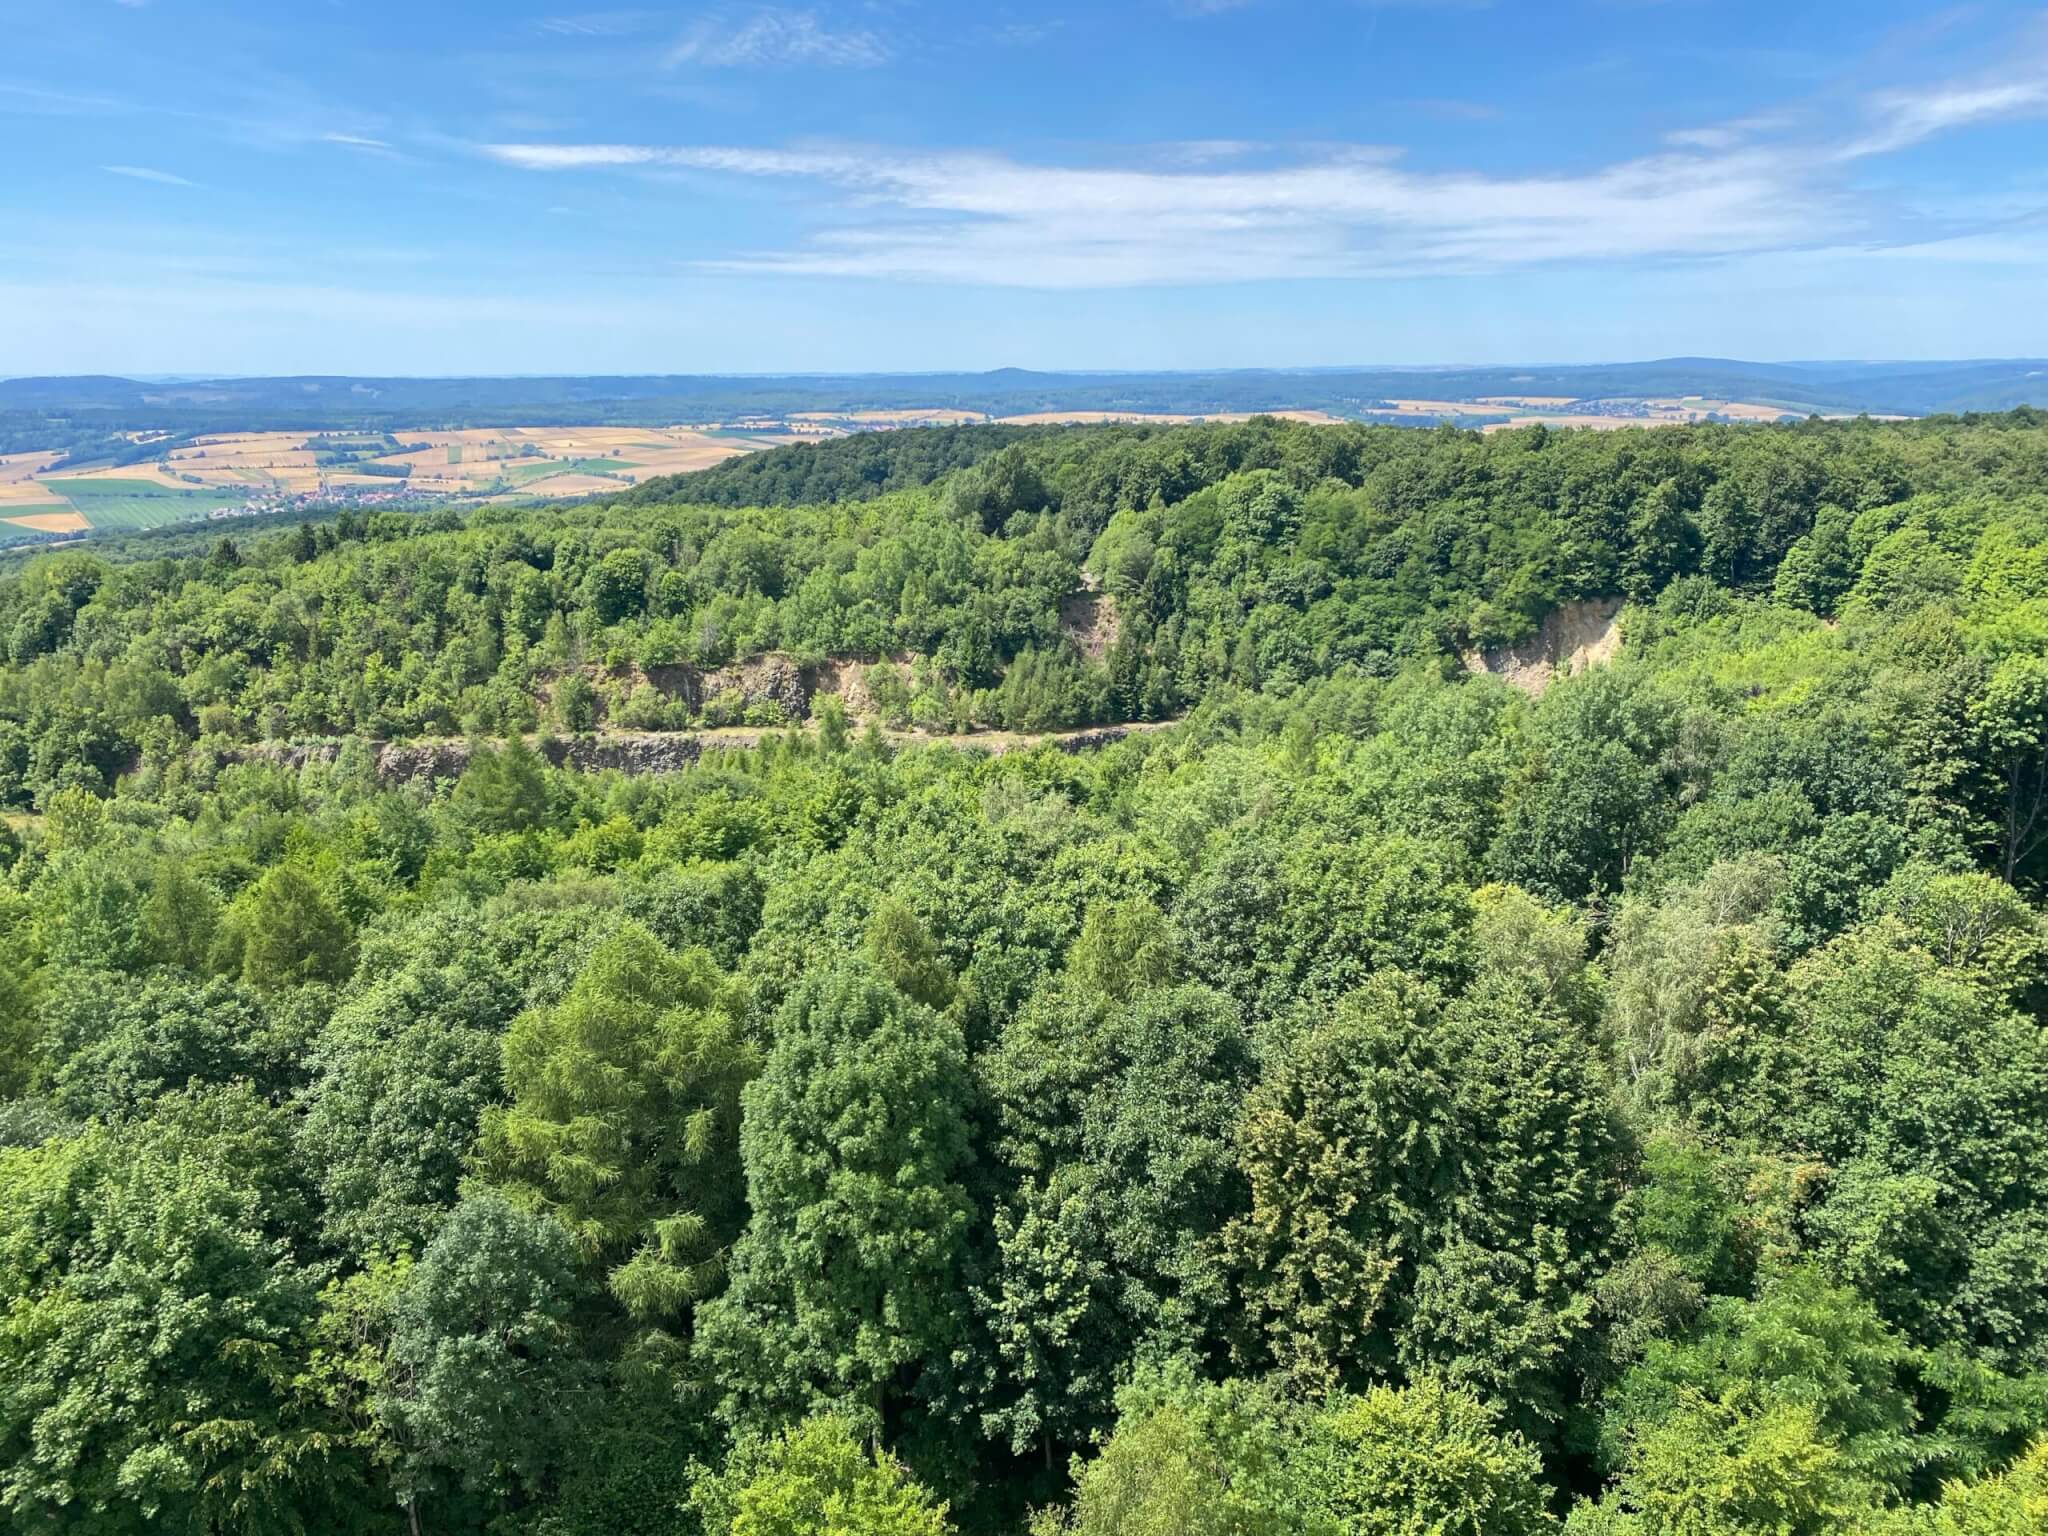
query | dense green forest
(1262,556)
(1385,1102)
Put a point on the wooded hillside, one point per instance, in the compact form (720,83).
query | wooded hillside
(1385,1101)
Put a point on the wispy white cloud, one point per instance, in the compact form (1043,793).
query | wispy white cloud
(144,173)
(986,218)
(356,141)
(1227,212)
(1904,118)
(597,24)
(1741,130)
(17,97)
(1452,110)
(778,36)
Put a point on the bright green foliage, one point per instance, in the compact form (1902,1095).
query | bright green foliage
(2009,721)
(1590,801)
(117,1044)
(347,1365)
(1678,1206)
(1192,1459)
(1715,1470)
(1349,1145)
(146,1352)
(714,906)
(1123,949)
(504,789)
(1520,944)
(180,918)
(817,1479)
(1906,1078)
(1625,1095)
(401,1076)
(1424,1460)
(904,953)
(855,1142)
(284,931)
(624,1120)
(2012,1503)
(89,914)
(1320,914)
(1802,1343)
(1971,922)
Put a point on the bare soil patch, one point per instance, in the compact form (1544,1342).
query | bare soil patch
(50,522)
(1572,638)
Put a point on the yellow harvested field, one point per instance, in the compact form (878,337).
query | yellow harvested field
(133,472)
(1157,418)
(1088,418)
(50,522)
(1731,408)
(26,466)
(1439,407)
(1566,419)
(931,416)
(567,484)
(18,473)
(490,462)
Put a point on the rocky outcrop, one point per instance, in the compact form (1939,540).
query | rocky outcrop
(427,761)
(774,679)
(1089,619)
(1073,743)
(645,752)
(1572,638)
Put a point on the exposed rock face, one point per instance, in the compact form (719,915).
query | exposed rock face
(1573,638)
(412,762)
(644,752)
(775,680)
(1073,743)
(651,753)
(1089,619)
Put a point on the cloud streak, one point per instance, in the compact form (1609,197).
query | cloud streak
(985,218)
(1237,213)
(144,173)
(1904,118)
(777,37)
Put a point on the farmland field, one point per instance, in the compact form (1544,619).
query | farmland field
(54,519)
(1153,418)
(233,470)
(128,505)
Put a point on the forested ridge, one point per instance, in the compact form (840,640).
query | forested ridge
(1387,1101)
(310,402)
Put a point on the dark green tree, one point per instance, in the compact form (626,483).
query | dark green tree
(847,1285)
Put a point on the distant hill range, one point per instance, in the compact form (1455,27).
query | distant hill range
(320,403)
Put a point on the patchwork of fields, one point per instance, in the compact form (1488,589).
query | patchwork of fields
(255,469)
(193,477)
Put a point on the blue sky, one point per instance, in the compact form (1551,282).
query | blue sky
(455,186)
